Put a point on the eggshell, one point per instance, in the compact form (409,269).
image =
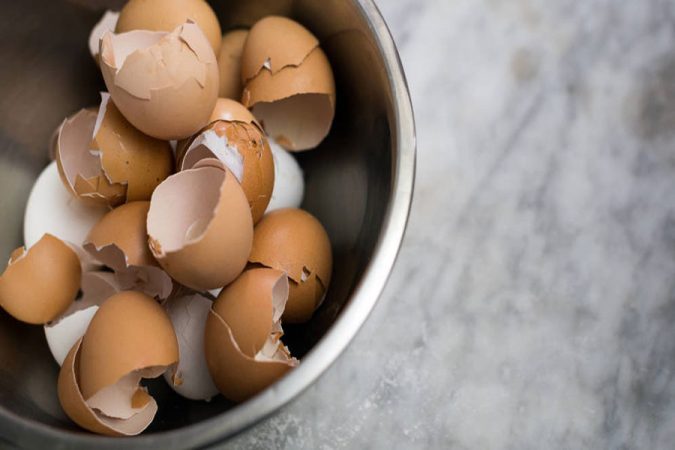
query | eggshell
(75,406)
(166,15)
(130,334)
(65,331)
(200,226)
(273,43)
(102,159)
(231,110)
(229,64)
(243,148)
(107,23)
(165,84)
(296,105)
(191,379)
(289,182)
(120,241)
(39,285)
(242,337)
(295,242)
(52,209)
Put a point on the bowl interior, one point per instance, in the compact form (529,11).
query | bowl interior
(48,73)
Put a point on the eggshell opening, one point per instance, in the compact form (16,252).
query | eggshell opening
(107,23)
(200,226)
(40,284)
(209,145)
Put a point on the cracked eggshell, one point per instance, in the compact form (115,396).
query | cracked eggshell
(75,406)
(129,338)
(103,159)
(289,181)
(39,285)
(295,242)
(243,148)
(273,43)
(200,226)
(107,23)
(229,64)
(243,349)
(64,332)
(296,105)
(191,379)
(52,209)
(166,15)
(165,84)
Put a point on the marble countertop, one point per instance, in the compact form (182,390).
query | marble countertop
(533,303)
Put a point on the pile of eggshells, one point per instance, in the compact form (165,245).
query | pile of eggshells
(165,237)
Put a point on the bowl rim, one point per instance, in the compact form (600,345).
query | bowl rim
(14,428)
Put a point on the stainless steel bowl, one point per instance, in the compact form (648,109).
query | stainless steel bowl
(359,183)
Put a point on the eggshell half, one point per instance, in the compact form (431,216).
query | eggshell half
(273,43)
(200,226)
(295,242)
(107,23)
(166,15)
(296,105)
(129,333)
(75,406)
(231,110)
(191,379)
(289,181)
(165,84)
(39,285)
(229,64)
(66,330)
(243,148)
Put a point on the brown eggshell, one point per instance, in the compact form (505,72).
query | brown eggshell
(229,64)
(129,332)
(295,105)
(238,376)
(251,304)
(244,149)
(166,15)
(200,226)
(79,412)
(39,285)
(274,43)
(295,242)
(165,84)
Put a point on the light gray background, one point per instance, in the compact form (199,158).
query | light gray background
(533,302)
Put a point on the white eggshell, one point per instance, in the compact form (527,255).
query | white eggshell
(188,315)
(52,209)
(62,336)
(289,183)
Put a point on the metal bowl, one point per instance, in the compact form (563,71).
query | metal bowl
(359,184)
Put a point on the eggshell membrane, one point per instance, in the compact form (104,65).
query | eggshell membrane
(76,408)
(191,378)
(130,332)
(294,241)
(165,84)
(166,15)
(39,285)
(200,226)
(64,332)
(275,42)
(289,182)
(107,23)
(295,105)
(229,64)
(254,168)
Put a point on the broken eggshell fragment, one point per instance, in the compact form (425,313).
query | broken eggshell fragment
(107,23)
(200,226)
(295,242)
(120,241)
(64,332)
(103,159)
(243,148)
(40,283)
(243,334)
(165,83)
(191,378)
